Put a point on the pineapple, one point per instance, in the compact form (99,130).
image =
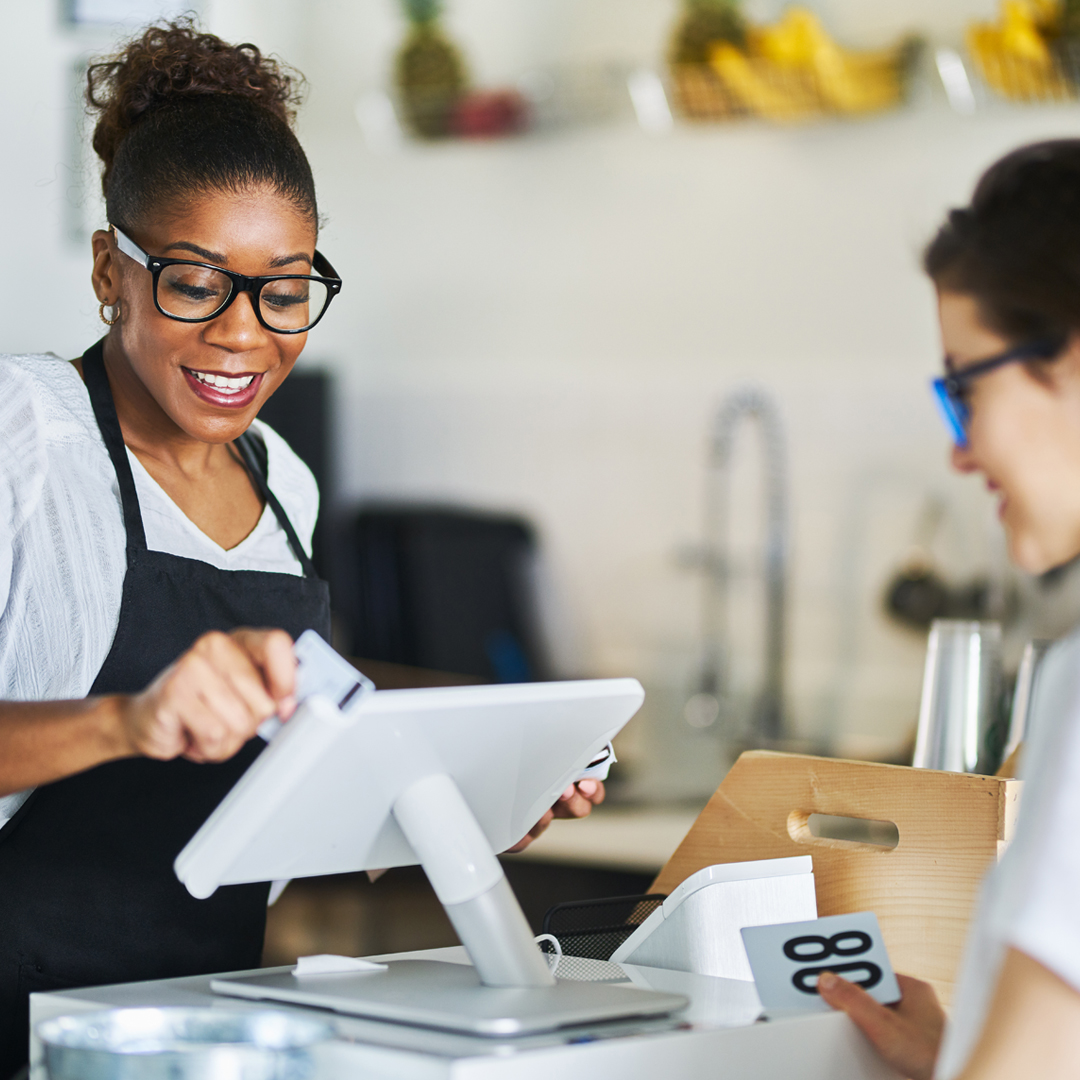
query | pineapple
(430,71)
(704,23)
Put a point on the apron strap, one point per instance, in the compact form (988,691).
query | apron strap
(101,400)
(248,449)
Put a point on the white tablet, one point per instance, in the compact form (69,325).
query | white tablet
(318,799)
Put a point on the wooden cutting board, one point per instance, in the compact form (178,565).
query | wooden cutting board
(952,828)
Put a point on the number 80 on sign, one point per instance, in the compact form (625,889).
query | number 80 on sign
(863,972)
(787,960)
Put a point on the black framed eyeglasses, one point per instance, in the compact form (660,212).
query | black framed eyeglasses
(197,292)
(951,390)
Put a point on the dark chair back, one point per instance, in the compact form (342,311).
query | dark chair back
(443,588)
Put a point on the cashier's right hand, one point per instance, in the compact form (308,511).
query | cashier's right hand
(907,1035)
(208,703)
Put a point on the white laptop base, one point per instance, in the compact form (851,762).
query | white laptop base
(450,997)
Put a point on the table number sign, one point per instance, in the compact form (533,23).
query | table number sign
(788,958)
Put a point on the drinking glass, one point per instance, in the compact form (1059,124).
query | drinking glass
(960,695)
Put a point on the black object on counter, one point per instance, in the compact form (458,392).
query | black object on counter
(917,596)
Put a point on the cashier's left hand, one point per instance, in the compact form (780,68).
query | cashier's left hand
(576,801)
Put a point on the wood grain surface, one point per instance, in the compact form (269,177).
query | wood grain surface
(952,827)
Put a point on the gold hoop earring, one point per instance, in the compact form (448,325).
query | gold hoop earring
(116,313)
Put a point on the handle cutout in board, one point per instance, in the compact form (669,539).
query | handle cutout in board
(839,831)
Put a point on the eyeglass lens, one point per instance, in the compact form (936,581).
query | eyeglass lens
(199,292)
(953,410)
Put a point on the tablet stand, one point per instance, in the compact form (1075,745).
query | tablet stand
(470,884)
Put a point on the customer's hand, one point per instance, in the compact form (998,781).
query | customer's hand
(576,801)
(907,1035)
(208,703)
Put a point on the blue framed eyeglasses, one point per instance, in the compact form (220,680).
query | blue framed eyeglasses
(951,390)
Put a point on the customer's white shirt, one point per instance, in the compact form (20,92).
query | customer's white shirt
(1031,899)
(62,541)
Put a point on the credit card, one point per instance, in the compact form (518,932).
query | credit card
(322,671)
(600,766)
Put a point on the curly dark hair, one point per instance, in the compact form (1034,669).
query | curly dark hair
(181,112)
(1016,248)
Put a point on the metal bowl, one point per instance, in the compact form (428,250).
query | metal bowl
(181,1043)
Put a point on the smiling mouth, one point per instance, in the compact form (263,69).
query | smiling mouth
(223,384)
(222,391)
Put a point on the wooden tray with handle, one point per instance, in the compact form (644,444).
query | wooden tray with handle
(952,828)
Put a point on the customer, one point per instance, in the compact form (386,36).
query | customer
(146,517)
(1007,272)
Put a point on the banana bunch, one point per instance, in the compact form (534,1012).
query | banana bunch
(793,69)
(1015,56)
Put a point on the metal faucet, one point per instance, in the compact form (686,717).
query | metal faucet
(768,720)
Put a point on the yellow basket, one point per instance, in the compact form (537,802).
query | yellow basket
(1018,78)
(700,95)
(739,85)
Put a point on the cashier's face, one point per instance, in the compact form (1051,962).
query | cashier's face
(1023,437)
(254,233)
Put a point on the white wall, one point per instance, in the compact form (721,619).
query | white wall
(547,323)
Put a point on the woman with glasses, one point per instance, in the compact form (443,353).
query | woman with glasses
(1007,272)
(146,519)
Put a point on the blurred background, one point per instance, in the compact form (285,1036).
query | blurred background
(629,374)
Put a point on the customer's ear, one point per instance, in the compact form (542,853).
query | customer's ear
(1062,373)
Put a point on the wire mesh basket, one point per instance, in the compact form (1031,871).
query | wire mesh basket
(594,929)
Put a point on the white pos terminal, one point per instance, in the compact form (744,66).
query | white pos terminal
(360,779)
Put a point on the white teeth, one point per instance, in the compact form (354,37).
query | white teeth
(223,383)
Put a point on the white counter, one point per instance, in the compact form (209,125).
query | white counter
(714,1037)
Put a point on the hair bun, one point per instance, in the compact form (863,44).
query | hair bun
(173,62)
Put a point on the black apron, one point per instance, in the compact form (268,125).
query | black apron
(87,890)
